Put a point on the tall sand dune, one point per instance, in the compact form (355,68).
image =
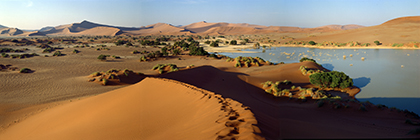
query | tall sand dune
(142,111)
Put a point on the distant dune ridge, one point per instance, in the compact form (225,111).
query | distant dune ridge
(201,28)
(399,30)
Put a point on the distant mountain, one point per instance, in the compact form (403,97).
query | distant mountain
(1,26)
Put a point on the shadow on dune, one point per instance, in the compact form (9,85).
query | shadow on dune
(411,104)
(361,82)
(229,85)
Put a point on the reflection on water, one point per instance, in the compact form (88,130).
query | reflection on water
(361,82)
(379,74)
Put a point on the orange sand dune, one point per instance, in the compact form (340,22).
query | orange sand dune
(159,28)
(231,30)
(101,31)
(142,111)
(400,30)
(10,31)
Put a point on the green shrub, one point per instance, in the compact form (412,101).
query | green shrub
(214,44)
(57,53)
(198,51)
(377,42)
(143,58)
(306,59)
(102,57)
(135,52)
(104,81)
(176,52)
(76,51)
(207,42)
(4,55)
(311,43)
(25,70)
(233,42)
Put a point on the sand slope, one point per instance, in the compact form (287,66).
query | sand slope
(10,31)
(142,111)
(399,30)
(280,118)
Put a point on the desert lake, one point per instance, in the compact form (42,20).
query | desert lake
(386,76)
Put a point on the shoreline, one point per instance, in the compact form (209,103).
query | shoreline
(241,48)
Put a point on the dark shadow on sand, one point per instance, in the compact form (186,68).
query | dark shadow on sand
(411,104)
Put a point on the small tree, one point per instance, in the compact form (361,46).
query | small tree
(311,42)
(102,57)
(176,52)
(214,44)
(377,42)
(233,42)
(57,53)
(25,70)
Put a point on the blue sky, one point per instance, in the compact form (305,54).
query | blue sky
(35,14)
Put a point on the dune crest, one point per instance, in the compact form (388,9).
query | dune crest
(143,111)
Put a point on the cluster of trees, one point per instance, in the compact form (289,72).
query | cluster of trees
(306,59)
(150,42)
(331,79)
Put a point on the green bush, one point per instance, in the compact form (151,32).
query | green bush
(57,53)
(233,42)
(25,70)
(4,55)
(102,57)
(207,42)
(176,52)
(198,51)
(306,59)
(214,44)
(311,43)
(377,42)
(331,79)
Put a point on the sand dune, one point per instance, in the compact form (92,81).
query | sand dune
(101,31)
(400,30)
(159,28)
(142,111)
(10,31)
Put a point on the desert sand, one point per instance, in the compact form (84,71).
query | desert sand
(210,100)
